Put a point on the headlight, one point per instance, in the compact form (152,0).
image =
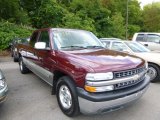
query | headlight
(95,77)
(99,76)
(2,83)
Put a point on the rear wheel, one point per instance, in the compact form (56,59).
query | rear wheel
(67,96)
(15,58)
(153,72)
(22,66)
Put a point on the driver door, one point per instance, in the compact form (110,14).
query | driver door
(45,59)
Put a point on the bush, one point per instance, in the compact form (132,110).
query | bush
(9,31)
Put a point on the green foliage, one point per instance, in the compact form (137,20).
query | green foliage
(93,11)
(10,10)
(45,13)
(117,25)
(9,31)
(106,18)
(75,21)
(151,17)
(132,29)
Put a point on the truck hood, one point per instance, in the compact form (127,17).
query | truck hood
(104,60)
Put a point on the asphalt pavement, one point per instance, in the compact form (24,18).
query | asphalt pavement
(30,98)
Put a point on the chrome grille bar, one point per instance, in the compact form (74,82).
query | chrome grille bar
(127,73)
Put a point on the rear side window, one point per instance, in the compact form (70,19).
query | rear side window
(119,46)
(140,38)
(44,37)
(33,39)
(107,44)
(153,38)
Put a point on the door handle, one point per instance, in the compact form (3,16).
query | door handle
(146,45)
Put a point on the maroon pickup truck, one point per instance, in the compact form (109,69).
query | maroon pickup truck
(85,76)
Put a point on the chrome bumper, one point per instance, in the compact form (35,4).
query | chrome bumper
(89,107)
(3,93)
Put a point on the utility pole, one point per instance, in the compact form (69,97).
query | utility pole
(127,20)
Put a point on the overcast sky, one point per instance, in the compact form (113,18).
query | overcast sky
(145,2)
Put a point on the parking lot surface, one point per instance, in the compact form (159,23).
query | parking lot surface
(30,98)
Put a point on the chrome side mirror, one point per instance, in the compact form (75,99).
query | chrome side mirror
(40,45)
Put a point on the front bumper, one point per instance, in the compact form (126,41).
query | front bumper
(95,103)
(3,93)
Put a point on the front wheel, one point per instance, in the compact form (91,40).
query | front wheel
(154,72)
(67,96)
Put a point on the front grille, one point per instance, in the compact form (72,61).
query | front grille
(128,83)
(128,73)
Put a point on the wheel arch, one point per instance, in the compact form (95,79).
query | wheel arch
(157,68)
(58,74)
(154,64)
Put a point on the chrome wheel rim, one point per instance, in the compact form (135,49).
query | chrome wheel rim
(152,73)
(65,97)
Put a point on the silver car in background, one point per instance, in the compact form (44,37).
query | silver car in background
(3,87)
(135,48)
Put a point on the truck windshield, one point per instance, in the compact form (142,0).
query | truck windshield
(75,39)
(137,47)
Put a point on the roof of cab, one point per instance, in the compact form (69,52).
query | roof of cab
(60,29)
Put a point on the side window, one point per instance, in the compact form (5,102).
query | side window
(44,37)
(33,39)
(107,44)
(119,46)
(153,38)
(140,38)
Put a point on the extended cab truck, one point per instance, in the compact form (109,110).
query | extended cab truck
(85,76)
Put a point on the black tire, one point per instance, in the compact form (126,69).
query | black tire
(73,110)
(15,59)
(154,68)
(23,67)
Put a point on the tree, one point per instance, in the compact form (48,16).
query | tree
(95,11)
(10,10)
(151,17)
(72,20)
(134,14)
(44,13)
(117,28)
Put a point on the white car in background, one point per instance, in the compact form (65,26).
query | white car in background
(135,48)
(150,40)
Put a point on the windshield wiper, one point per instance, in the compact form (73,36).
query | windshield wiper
(94,46)
(82,47)
(73,46)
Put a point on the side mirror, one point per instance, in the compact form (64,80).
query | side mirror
(40,45)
